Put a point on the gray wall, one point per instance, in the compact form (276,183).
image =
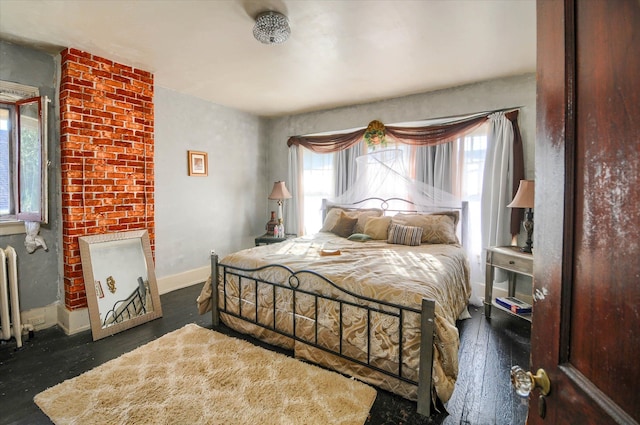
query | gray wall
(38,273)
(223,211)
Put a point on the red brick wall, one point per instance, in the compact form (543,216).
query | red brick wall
(106,142)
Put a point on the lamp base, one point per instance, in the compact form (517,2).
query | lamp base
(528,226)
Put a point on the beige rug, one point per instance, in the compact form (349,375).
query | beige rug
(197,376)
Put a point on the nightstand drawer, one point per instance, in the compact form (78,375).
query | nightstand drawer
(513,263)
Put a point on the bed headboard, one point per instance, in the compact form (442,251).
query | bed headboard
(392,206)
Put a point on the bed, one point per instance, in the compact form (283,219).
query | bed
(376,299)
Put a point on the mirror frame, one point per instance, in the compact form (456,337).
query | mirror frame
(85,242)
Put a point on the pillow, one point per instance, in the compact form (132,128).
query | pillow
(404,235)
(344,226)
(363,217)
(437,228)
(331,219)
(333,215)
(377,227)
(455,215)
(360,237)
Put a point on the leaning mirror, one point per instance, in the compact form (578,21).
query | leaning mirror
(119,281)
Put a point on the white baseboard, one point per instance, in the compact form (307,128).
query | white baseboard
(56,313)
(42,317)
(184,279)
(73,321)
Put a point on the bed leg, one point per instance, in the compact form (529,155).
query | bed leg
(427,327)
(215,315)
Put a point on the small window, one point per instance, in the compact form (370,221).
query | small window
(23,154)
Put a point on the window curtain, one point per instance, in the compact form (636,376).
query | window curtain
(294,211)
(503,170)
(345,168)
(437,166)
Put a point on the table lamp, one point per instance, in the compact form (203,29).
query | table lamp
(279,193)
(524,198)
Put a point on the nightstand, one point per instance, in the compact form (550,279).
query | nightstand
(513,260)
(268,239)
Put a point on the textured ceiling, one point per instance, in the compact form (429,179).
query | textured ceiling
(339,53)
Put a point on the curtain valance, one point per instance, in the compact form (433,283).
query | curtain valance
(431,135)
(328,143)
(427,135)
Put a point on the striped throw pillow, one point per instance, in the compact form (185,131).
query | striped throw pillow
(404,235)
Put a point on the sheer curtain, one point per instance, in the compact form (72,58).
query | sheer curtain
(457,167)
(345,167)
(497,182)
(435,166)
(294,211)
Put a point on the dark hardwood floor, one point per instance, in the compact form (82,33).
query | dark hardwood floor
(483,394)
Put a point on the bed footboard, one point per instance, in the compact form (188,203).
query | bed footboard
(215,314)
(248,278)
(427,331)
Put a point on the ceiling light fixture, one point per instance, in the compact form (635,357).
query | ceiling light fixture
(271,28)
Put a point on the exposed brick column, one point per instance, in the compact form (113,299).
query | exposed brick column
(107,150)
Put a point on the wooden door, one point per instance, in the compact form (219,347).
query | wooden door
(586,320)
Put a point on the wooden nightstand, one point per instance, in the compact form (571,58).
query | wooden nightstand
(511,259)
(268,239)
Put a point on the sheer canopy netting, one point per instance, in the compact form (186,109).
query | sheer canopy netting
(382,175)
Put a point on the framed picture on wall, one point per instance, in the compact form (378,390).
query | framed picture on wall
(198,163)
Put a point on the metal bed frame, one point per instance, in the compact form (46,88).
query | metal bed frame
(219,275)
(394,310)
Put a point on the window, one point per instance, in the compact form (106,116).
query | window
(318,184)
(319,174)
(5,155)
(475,152)
(23,155)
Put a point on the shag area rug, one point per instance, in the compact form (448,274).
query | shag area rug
(198,376)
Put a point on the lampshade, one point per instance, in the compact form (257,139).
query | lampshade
(525,195)
(271,28)
(279,191)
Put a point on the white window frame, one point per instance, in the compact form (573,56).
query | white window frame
(17,95)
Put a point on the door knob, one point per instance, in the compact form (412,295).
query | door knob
(524,382)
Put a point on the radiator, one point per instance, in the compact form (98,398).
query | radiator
(9,301)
